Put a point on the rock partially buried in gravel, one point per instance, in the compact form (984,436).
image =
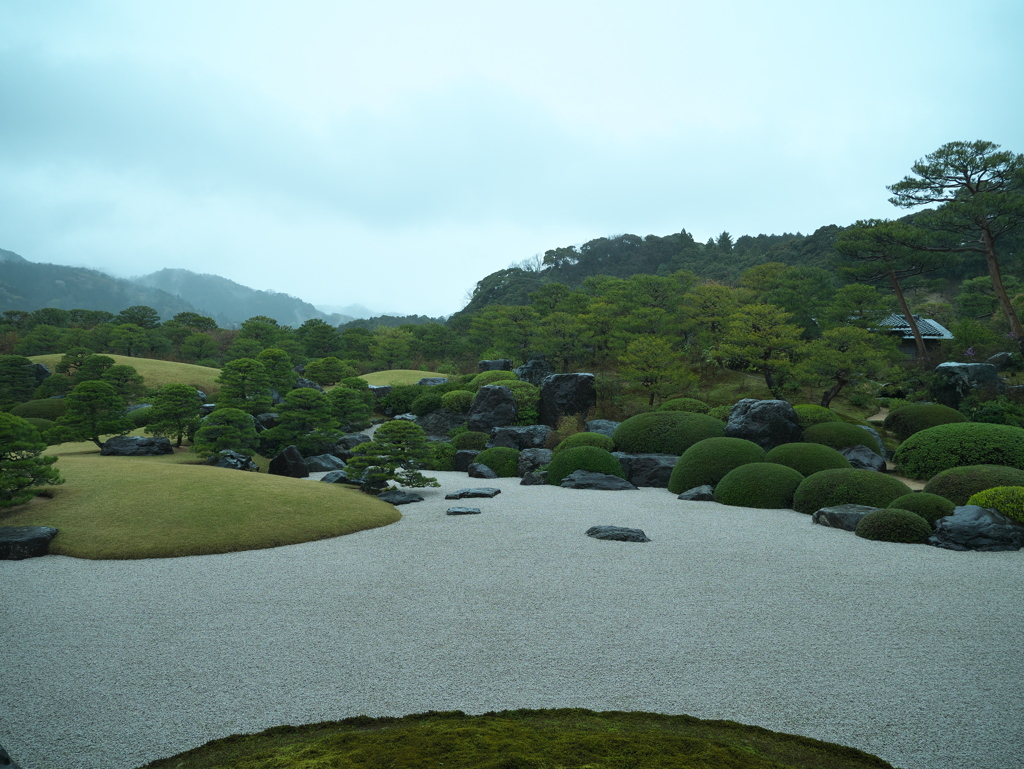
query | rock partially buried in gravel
(618,533)
(705,493)
(482,492)
(339,476)
(476,470)
(20,542)
(842,516)
(584,479)
(398,497)
(463,511)
(536,478)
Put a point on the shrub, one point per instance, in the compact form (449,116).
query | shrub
(471,440)
(720,412)
(894,525)
(707,462)
(226,428)
(1005,500)
(958,484)
(141,417)
(935,449)
(931,507)
(998,411)
(592,458)
(566,426)
(397,452)
(22,464)
(840,487)
(400,399)
(42,425)
(442,456)
(814,415)
(685,404)
(47,408)
(491,377)
(458,401)
(839,435)
(502,460)
(758,484)
(665,432)
(527,398)
(427,401)
(807,458)
(915,417)
(586,439)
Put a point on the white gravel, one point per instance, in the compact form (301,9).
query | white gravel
(757,616)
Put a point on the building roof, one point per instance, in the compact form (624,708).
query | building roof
(930,329)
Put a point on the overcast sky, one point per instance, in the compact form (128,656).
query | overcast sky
(394,153)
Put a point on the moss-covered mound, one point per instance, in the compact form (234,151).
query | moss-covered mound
(814,415)
(46,408)
(502,460)
(912,418)
(839,435)
(471,440)
(931,507)
(894,525)
(958,484)
(807,458)
(707,462)
(586,439)
(458,401)
(839,487)
(665,432)
(523,739)
(1005,500)
(685,404)
(926,453)
(428,400)
(759,484)
(592,458)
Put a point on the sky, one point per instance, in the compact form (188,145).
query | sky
(392,154)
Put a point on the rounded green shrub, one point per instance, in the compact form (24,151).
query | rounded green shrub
(894,525)
(491,377)
(759,484)
(401,397)
(527,397)
(807,458)
(707,462)
(935,449)
(44,408)
(473,441)
(958,484)
(42,425)
(1005,500)
(809,415)
(592,458)
(502,460)
(685,404)
(931,507)
(586,439)
(720,412)
(912,418)
(140,417)
(427,401)
(847,486)
(665,432)
(442,456)
(458,401)
(839,435)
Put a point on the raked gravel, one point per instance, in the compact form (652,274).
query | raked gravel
(757,616)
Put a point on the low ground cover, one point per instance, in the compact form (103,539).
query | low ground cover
(156,373)
(398,376)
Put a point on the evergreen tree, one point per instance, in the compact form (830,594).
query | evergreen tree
(759,337)
(397,452)
(280,370)
(175,412)
(846,355)
(22,465)
(305,420)
(226,428)
(94,409)
(245,386)
(17,380)
(651,365)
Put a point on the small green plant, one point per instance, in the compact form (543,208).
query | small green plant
(502,460)
(709,460)
(929,452)
(685,404)
(839,435)
(591,458)
(141,417)
(458,401)
(527,397)
(758,484)
(931,507)
(665,432)
(470,440)
(915,417)
(586,439)
(894,525)
(839,487)
(807,458)
(958,484)
(1005,500)
(809,414)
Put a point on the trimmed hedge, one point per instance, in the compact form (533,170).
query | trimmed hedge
(912,418)
(759,484)
(586,439)
(502,460)
(839,487)
(665,432)
(471,440)
(894,525)
(708,461)
(45,408)
(457,401)
(1005,500)
(809,415)
(427,401)
(807,458)
(685,404)
(491,377)
(931,507)
(592,458)
(442,456)
(958,484)
(839,435)
(140,417)
(935,449)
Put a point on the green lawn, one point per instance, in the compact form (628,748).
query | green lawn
(160,507)
(398,376)
(156,373)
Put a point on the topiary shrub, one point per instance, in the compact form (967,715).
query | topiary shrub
(458,401)
(1005,500)
(839,487)
(759,484)
(442,456)
(399,400)
(592,458)
(958,484)
(527,398)
(491,377)
(46,408)
(473,441)
(914,417)
(685,404)
(894,525)
(935,449)
(931,507)
(707,462)
(502,460)
(425,402)
(807,458)
(665,432)
(42,425)
(720,412)
(809,415)
(141,417)
(586,439)
(839,435)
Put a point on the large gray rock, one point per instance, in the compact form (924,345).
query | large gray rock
(566,395)
(432,381)
(476,470)
(602,426)
(20,542)
(135,446)
(233,460)
(875,440)
(955,381)
(520,437)
(343,448)
(40,372)
(493,406)
(585,479)
(340,476)
(977,528)
(289,463)
(380,391)
(618,534)
(501,364)
(863,458)
(535,478)
(440,422)
(309,384)
(463,459)
(534,371)
(1002,360)
(705,493)
(324,463)
(841,516)
(481,492)
(531,459)
(647,469)
(767,423)
(267,421)
(399,497)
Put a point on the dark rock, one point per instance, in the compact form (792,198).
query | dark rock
(703,493)
(493,406)
(40,372)
(307,384)
(340,476)
(842,516)
(289,463)
(267,421)
(136,446)
(477,470)
(618,533)
(432,381)
(501,364)
(137,407)
(584,479)
(6,761)
(566,395)
(463,459)
(399,497)
(407,417)
(767,423)
(206,409)
(379,391)
(863,458)
(955,381)
(602,426)
(440,422)
(535,478)
(20,542)
(879,445)
(201,395)
(534,371)
(343,448)
(531,459)
(1001,360)
(977,528)
(647,469)
(483,492)
(276,399)
(324,463)
(519,438)
(463,511)
(232,460)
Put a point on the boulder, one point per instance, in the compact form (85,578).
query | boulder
(501,364)
(482,492)
(267,421)
(463,511)
(232,460)
(842,516)
(767,423)
(534,371)
(463,459)
(566,395)
(520,438)
(136,446)
(977,528)
(1001,360)
(440,422)
(603,426)
(206,409)
(6,761)
(863,458)
(137,407)
(40,372)
(432,381)
(20,542)
(584,479)
(493,406)
(276,399)
(876,440)
(531,459)
(340,476)
(647,469)
(955,381)
(308,384)
(618,533)
(535,478)
(324,463)
(406,417)
(343,448)
(289,463)
(379,391)
(703,493)
(476,470)
(399,497)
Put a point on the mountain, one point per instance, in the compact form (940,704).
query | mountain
(10,256)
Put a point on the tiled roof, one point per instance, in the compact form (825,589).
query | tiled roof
(930,329)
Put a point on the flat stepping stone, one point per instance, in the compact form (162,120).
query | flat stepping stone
(463,511)
(584,479)
(618,533)
(20,542)
(482,493)
(396,497)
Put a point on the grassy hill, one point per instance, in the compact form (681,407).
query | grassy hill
(398,376)
(156,373)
